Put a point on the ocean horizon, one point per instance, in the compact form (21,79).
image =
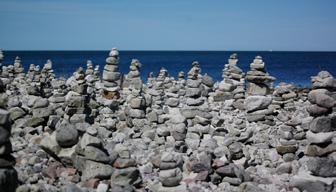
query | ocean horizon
(287,66)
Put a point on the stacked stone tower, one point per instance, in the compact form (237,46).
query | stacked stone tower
(258,93)
(8,175)
(111,76)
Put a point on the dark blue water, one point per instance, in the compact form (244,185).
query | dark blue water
(290,67)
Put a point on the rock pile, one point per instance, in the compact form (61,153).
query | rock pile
(8,175)
(111,76)
(133,78)
(166,135)
(89,68)
(170,166)
(233,85)
(259,89)
(126,175)
(319,170)
(284,96)
(18,67)
(76,100)
(47,75)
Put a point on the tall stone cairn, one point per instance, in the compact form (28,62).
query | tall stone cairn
(233,84)
(133,78)
(18,67)
(89,68)
(284,96)
(8,175)
(320,161)
(258,78)
(111,76)
(258,93)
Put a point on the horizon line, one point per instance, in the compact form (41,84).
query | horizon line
(167,50)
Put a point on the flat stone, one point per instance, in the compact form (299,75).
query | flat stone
(253,103)
(319,137)
(96,170)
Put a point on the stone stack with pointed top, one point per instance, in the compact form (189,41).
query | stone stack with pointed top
(133,78)
(18,67)
(76,99)
(90,79)
(156,92)
(89,68)
(259,89)
(319,164)
(322,128)
(111,76)
(260,82)
(126,174)
(8,175)
(47,75)
(136,107)
(196,109)
(284,96)
(58,96)
(233,84)
(193,94)
(92,159)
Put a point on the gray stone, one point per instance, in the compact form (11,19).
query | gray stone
(322,166)
(320,124)
(323,137)
(253,103)
(70,188)
(95,154)
(66,135)
(96,170)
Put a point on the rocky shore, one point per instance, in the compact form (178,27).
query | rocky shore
(114,132)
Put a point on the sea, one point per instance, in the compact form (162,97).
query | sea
(289,67)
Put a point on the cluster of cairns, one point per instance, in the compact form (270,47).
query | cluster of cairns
(117,133)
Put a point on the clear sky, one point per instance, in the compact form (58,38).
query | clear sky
(168,25)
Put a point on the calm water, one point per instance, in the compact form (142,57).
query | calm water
(291,67)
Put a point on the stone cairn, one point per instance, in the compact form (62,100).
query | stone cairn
(76,99)
(58,96)
(89,68)
(170,170)
(196,109)
(47,75)
(8,175)
(259,89)
(157,113)
(320,161)
(284,96)
(111,77)
(156,92)
(133,78)
(18,68)
(126,175)
(233,84)
(90,79)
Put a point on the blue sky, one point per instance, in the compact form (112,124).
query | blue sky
(168,25)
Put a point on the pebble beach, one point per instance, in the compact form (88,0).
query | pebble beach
(114,132)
